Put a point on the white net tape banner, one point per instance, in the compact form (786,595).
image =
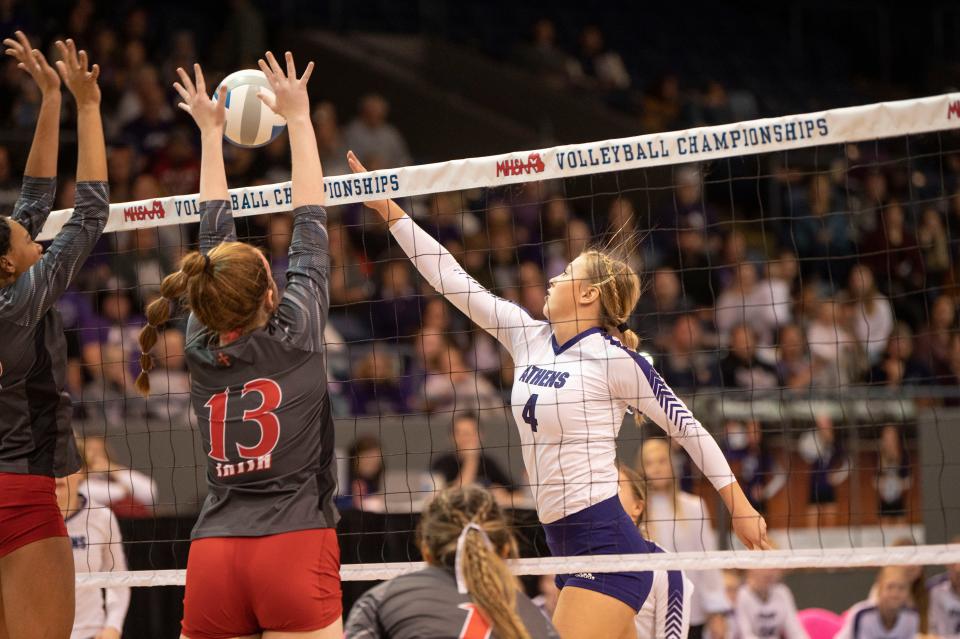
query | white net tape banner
(835,126)
(743,559)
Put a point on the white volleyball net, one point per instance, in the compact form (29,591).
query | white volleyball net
(802,296)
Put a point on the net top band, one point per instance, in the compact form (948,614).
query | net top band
(834,126)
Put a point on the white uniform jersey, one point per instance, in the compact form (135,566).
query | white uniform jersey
(944,608)
(863,621)
(666,612)
(682,524)
(775,616)
(569,399)
(97,547)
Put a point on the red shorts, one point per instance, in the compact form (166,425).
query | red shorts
(238,586)
(28,511)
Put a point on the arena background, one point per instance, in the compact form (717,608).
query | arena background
(464,79)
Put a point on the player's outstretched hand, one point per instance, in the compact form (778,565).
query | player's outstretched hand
(77,74)
(210,115)
(380,206)
(34,63)
(290,99)
(751,530)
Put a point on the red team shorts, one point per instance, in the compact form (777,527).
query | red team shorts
(237,586)
(28,511)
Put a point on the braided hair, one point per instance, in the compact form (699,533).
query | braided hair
(224,289)
(473,513)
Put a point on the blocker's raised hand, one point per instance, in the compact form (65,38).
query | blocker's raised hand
(79,77)
(290,99)
(33,62)
(210,115)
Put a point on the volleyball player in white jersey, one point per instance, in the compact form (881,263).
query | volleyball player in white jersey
(666,612)
(97,547)
(574,380)
(944,608)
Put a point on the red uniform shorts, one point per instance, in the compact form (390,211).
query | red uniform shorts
(28,511)
(237,586)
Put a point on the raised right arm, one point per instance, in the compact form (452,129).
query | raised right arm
(216,215)
(504,320)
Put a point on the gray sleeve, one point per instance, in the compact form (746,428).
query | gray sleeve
(216,224)
(302,313)
(216,227)
(364,620)
(25,301)
(34,204)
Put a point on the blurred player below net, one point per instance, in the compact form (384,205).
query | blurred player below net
(889,617)
(97,547)
(666,612)
(575,377)
(466,592)
(36,438)
(264,559)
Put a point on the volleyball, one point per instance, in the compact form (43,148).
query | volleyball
(250,123)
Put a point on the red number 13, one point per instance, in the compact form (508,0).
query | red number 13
(270,396)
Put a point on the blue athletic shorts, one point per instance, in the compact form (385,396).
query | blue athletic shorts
(602,529)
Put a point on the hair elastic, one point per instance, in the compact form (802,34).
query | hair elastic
(207,264)
(622,327)
(458,560)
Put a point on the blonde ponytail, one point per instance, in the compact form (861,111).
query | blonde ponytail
(619,288)
(492,586)
(470,520)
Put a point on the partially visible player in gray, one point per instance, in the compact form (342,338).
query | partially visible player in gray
(264,556)
(466,591)
(36,439)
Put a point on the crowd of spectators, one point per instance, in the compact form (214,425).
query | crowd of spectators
(660,102)
(853,284)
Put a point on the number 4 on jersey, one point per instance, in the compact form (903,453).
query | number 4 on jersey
(529,413)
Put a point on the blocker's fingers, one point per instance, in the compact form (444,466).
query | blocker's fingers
(222,99)
(187,82)
(12,44)
(183,92)
(291,67)
(185,107)
(82,59)
(269,99)
(62,68)
(274,65)
(201,83)
(95,72)
(22,39)
(267,71)
(307,73)
(72,60)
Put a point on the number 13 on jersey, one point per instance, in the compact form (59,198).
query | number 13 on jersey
(263,415)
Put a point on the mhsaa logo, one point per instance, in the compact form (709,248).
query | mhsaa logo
(142,212)
(953,109)
(516,166)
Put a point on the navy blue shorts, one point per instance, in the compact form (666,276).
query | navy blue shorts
(602,529)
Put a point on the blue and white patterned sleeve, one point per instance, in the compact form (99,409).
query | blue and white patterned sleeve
(633,379)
